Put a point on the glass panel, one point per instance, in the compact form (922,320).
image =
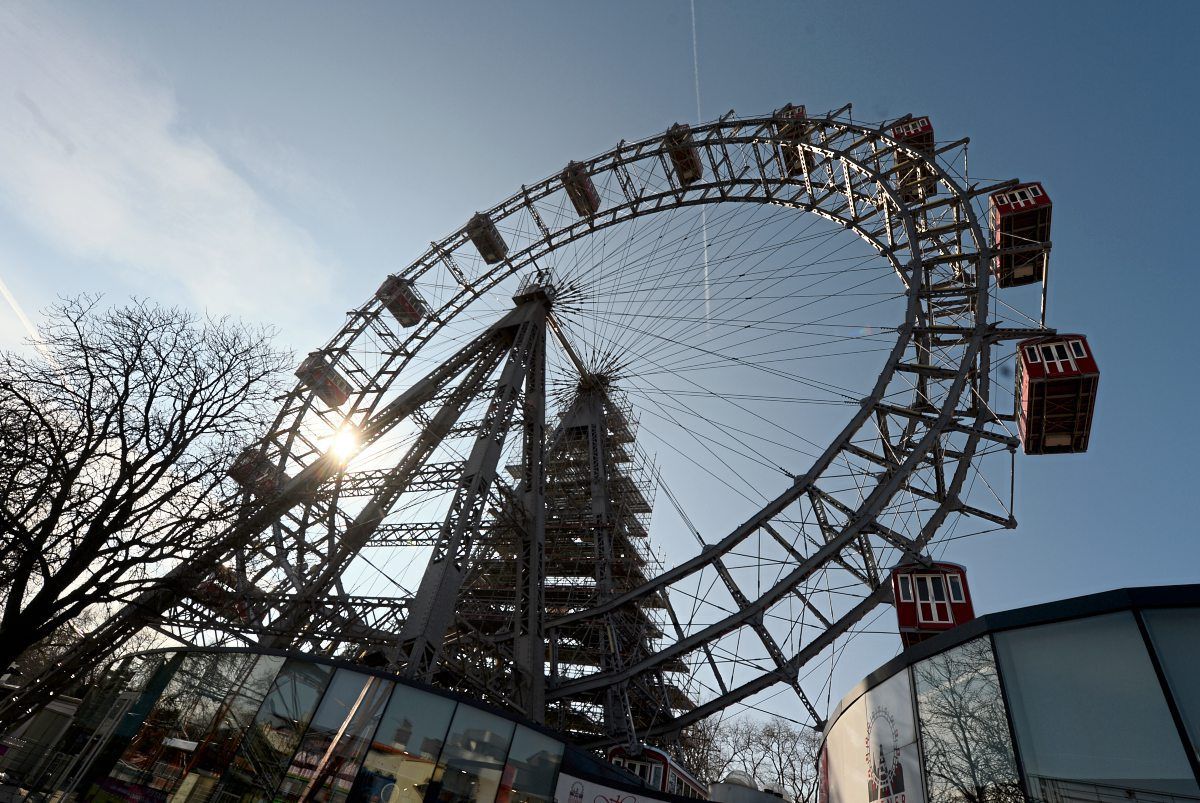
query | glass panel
(923,589)
(474,757)
(939,588)
(253,680)
(158,757)
(1089,713)
(152,678)
(1176,637)
(266,751)
(1077,348)
(964,729)
(533,764)
(405,750)
(325,765)
(905,589)
(1031,354)
(956,589)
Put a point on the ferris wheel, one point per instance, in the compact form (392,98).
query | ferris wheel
(644,440)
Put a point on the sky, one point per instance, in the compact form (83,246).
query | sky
(273,160)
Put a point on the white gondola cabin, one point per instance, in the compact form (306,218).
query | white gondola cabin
(1057,378)
(1020,219)
(913,180)
(253,471)
(685,157)
(930,598)
(792,128)
(580,189)
(486,237)
(401,298)
(323,379)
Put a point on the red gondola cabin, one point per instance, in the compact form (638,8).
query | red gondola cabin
(914,182)
(1020,220)
(1056,393)
(793,130)
(254,472)
(402,300)
(684,155)
(930,598)
(321,378)
(659,771)
(581,189)
(483,233)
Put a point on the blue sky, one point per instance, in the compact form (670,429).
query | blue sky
(274,160)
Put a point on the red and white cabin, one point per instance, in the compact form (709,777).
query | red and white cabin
(1056,393)
(659,771)
(401,298)
(930,598)
(323,379)
(684,155)
(916,133)
(580,189)
(913,181)
(482,231)
(793,129)
(253,471)
(1020,219)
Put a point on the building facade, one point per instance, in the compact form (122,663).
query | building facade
(194,725)
(1089,699)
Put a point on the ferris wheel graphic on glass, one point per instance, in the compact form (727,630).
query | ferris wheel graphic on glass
(645,439)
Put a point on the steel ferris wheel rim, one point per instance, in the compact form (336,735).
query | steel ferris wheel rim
(854,156)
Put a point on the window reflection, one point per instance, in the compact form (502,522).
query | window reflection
(964,729)
(473,761)
(150,678)
(267,747)
(532,763)
(158,757)
(323,767)
(405,749)
(1089,713)
(1176,637)
(251,685)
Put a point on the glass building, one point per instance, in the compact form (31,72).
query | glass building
(1089,699)
(244,725)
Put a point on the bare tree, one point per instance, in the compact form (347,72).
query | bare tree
(772,752)
(968,752)
(113,451)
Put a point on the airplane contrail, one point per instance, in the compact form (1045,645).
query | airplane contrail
(30,329)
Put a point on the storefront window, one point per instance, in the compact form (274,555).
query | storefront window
(325,764)
(266,750)
(404,752)
(159,755)
(252,677)
(473,761)
(1089,713)
(1176,637)
(532,765)
(964,730)
(152,678)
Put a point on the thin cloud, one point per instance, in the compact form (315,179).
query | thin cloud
(95,160)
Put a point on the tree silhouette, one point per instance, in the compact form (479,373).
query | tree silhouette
(113,450)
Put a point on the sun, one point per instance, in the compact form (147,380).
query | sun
(344,443)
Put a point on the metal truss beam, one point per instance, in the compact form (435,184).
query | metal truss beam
(421,640)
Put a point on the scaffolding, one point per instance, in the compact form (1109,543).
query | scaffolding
(600,490)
